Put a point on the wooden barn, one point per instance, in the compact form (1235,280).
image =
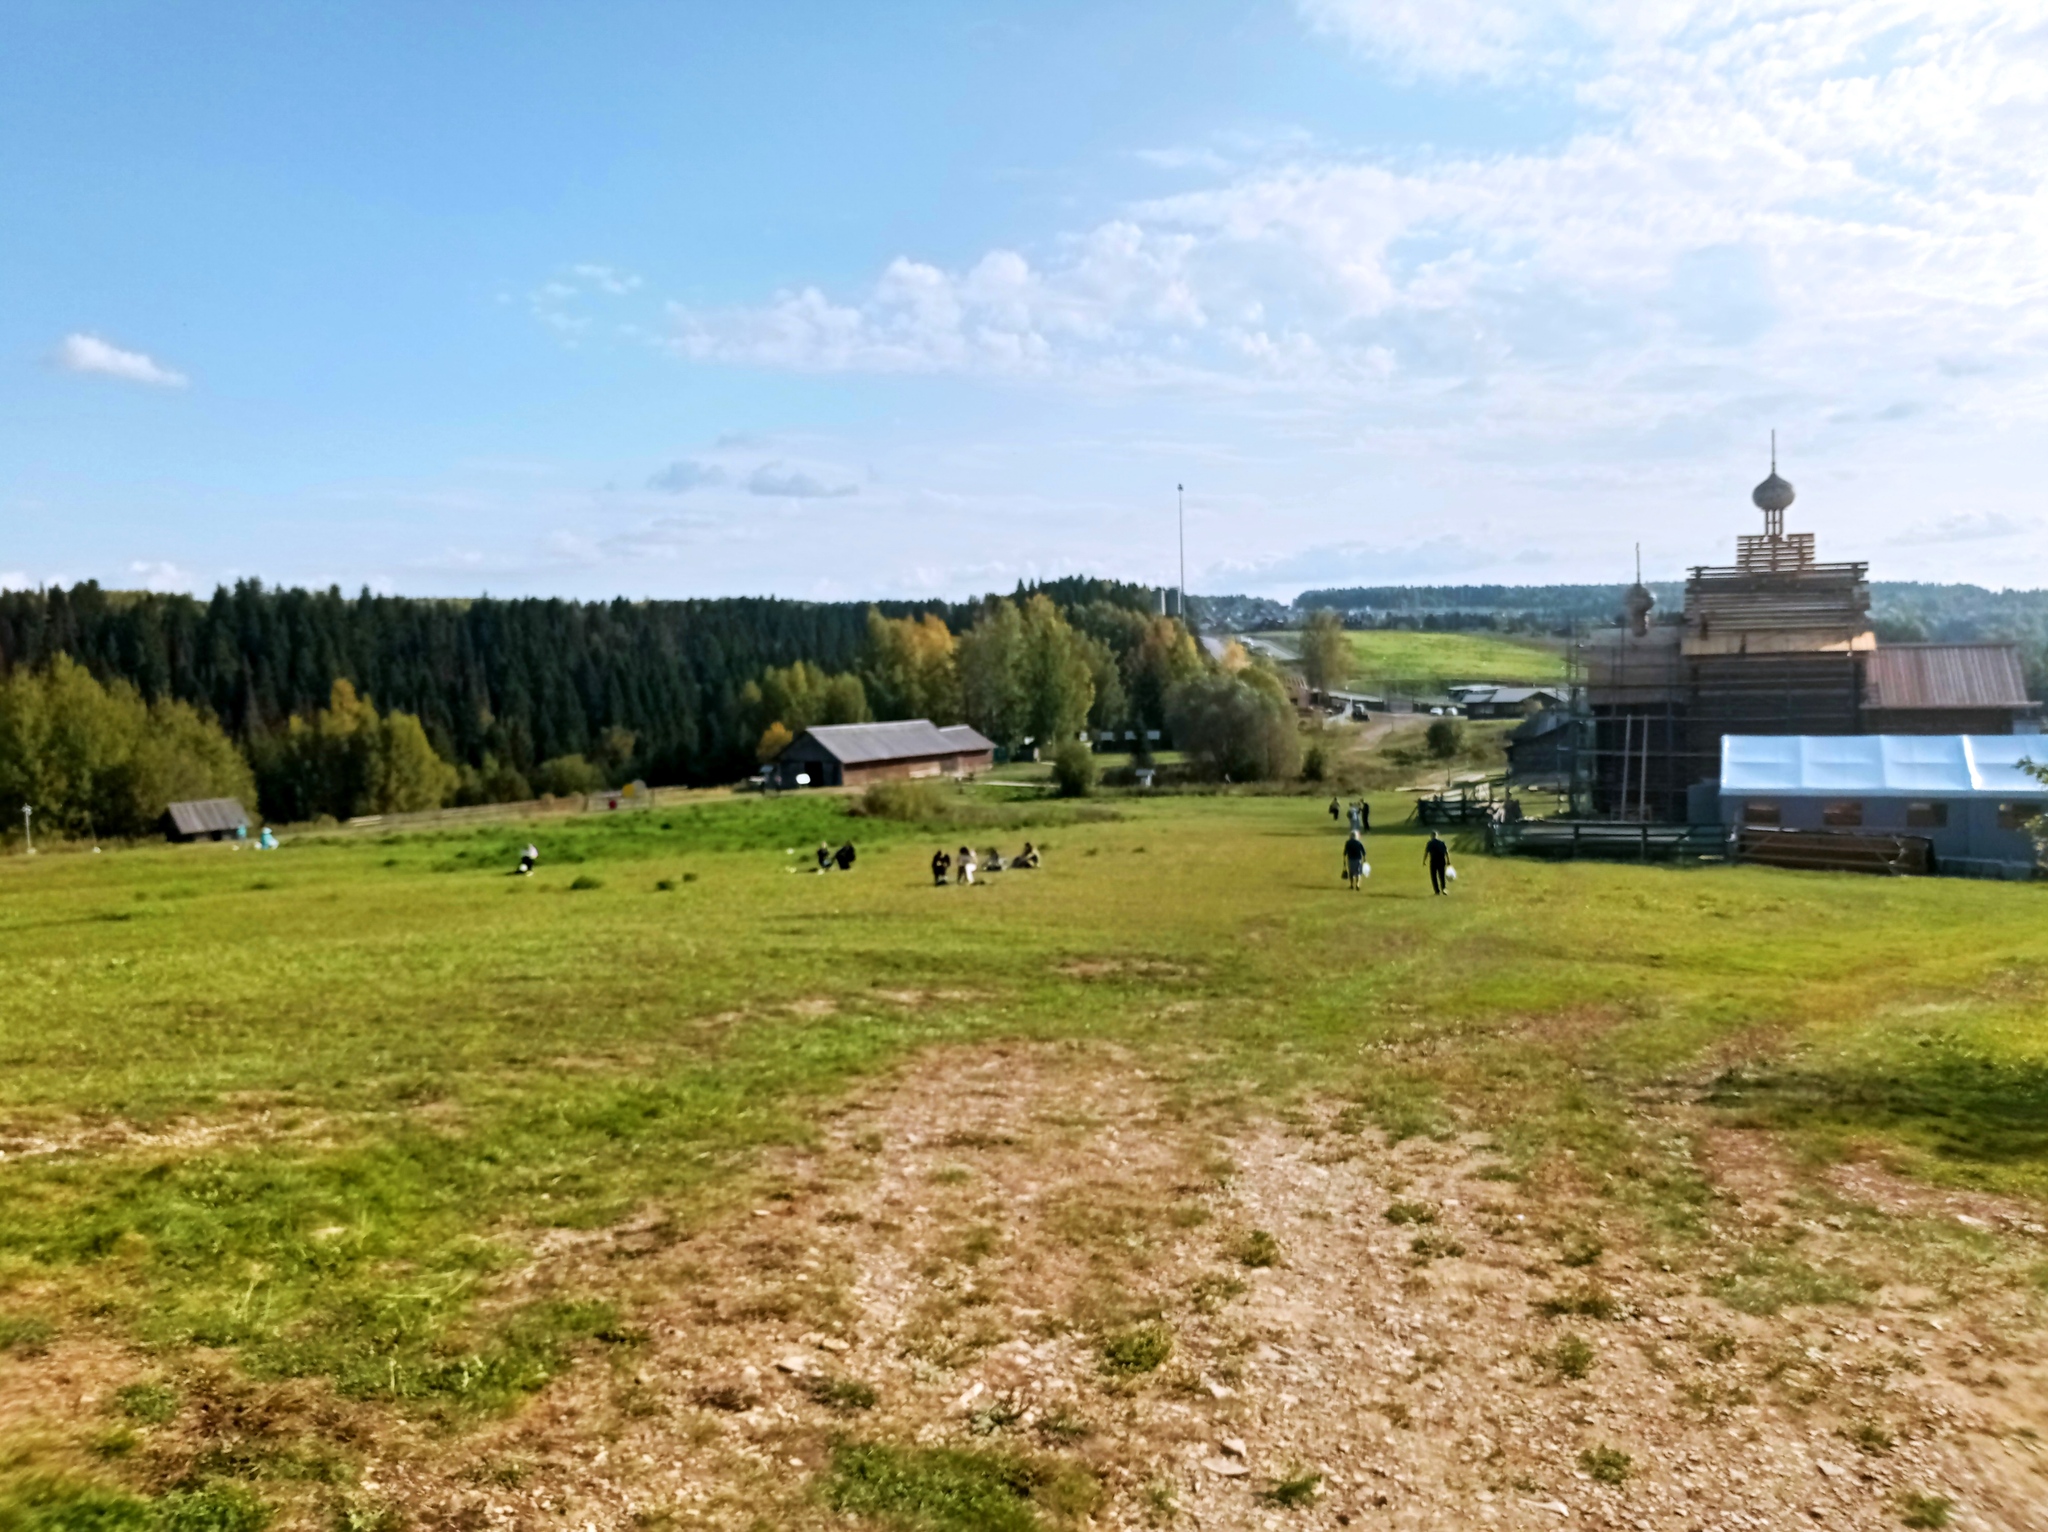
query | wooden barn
(853,754)
(206,819)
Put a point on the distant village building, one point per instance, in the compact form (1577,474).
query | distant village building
(851,754)
(206,819)
(1506,701)
(1777,643)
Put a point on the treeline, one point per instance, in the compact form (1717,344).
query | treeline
(1902,611)
(517,683)
(1023,672)
(1469,608)
(514,698)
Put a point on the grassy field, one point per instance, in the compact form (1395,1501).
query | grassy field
(1440,659)
(299,1121)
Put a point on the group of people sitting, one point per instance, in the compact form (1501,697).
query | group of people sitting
(965,865)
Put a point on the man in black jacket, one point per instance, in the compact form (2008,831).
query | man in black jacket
(1438,855)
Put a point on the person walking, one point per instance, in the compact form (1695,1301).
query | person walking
(1333,811)
(941,866)
(1438,856)
(1364,817)
(965,862)
(1354,861)
(1354,819)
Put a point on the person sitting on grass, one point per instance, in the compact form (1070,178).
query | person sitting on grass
(942,864)
(995,859)
(1354,860)
(824,857)
(844,857)
(528,859)
(966,864)
(1028,857)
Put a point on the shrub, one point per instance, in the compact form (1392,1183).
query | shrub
(1572,1357)
(568,776)
(1236,726)
(1073,769)
(1315,762)
(1258,1250)
(1589,1302)
(1292,1492)
(1446,737)
(1411,1212)
(585,881)
(1606,1465)
(840,1393)
(1141,1348)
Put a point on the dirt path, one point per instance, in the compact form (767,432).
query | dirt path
(1043,1257)
(967,1244)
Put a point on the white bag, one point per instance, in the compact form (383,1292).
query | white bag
(1451,873)
(1365,869)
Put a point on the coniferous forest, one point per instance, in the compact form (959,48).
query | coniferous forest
(515,682)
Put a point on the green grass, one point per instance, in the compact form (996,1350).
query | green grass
(1293,1492)
(318,1121)
(1435,660)
(1920,1510)
(948,1490)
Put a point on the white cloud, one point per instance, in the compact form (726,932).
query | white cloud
(793,484)
(605,279)
(1449,38)
(1967,526)
(161,576)
(684,475)
(83,353)
(1805,211)
(561,302)
(15,579)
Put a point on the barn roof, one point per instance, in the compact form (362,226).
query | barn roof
(1944,675)
(963,737)
(861,744)
(207,816)
(1882,765)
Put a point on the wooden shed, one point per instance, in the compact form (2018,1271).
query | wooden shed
(206,819)
(852,754)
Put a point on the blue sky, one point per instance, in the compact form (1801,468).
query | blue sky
(898,299)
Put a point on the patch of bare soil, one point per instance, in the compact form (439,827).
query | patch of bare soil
(1237,1325)
(254,1123)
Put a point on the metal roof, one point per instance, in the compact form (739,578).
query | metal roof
(207,816)
(1882,765)
(1944,675)
(964,737)
(1504,694)
(860,744)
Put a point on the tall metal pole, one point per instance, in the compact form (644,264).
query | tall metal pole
(1180,500)
(27,831)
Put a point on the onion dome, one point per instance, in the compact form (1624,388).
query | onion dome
(1636,606)
(1774,494)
